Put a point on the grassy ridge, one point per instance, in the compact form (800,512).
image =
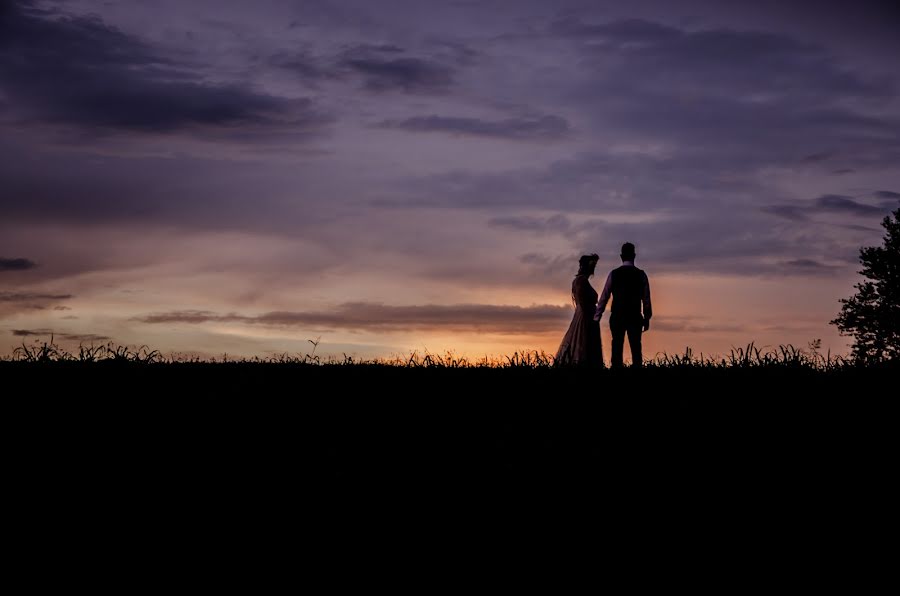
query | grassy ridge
(749,356)
(785,414)
(749,446)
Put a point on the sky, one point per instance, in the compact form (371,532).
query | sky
(379,177)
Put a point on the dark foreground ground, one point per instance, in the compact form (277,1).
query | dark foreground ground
(301,446)
(373,424)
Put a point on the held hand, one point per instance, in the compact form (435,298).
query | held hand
(646,324)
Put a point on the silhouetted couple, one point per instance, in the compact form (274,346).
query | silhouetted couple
(630,291)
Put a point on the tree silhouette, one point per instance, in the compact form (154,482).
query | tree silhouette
(872,316)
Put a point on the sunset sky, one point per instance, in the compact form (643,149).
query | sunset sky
(222,176)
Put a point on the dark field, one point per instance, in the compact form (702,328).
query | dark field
(248,449)
(372,423)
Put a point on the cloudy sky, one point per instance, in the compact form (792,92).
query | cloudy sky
(213,176)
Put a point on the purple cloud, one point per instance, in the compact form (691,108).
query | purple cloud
(479,318)
(17,264)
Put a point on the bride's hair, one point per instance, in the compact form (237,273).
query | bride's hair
(587,263)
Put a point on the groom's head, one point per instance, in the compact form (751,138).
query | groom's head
(627,252)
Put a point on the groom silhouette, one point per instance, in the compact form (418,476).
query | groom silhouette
(630,289)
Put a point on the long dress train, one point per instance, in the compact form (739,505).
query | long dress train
(581,345)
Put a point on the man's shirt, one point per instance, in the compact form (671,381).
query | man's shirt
(608,288)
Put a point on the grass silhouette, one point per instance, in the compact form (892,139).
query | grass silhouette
(750,356)
(782,436)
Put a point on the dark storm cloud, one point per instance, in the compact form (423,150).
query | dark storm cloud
(831,203)
(30,332)
(704,114)
(308,68)
(553,263)
(535,128)
(23,301)
(552,224)
(844,204)
(794,212)
(588,181)
(687,179)
(558,268)
(84,337)
(747,99)
(479,318)
(887,194)
(79,337)
(763,133)
(722,104)
(858,228)
(460,189)
(388,68)
(31,297)
(190,192)
(715,240)
(695,325)
(863,19)
(817,157)
(807,264)
(78,70)
(731,241)
(627,33)
(17,264)
(729,103)
(737,61)
(187,316)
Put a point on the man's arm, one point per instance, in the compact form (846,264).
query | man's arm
(645,300)
(604,297)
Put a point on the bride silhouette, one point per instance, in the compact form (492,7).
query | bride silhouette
(581,344)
